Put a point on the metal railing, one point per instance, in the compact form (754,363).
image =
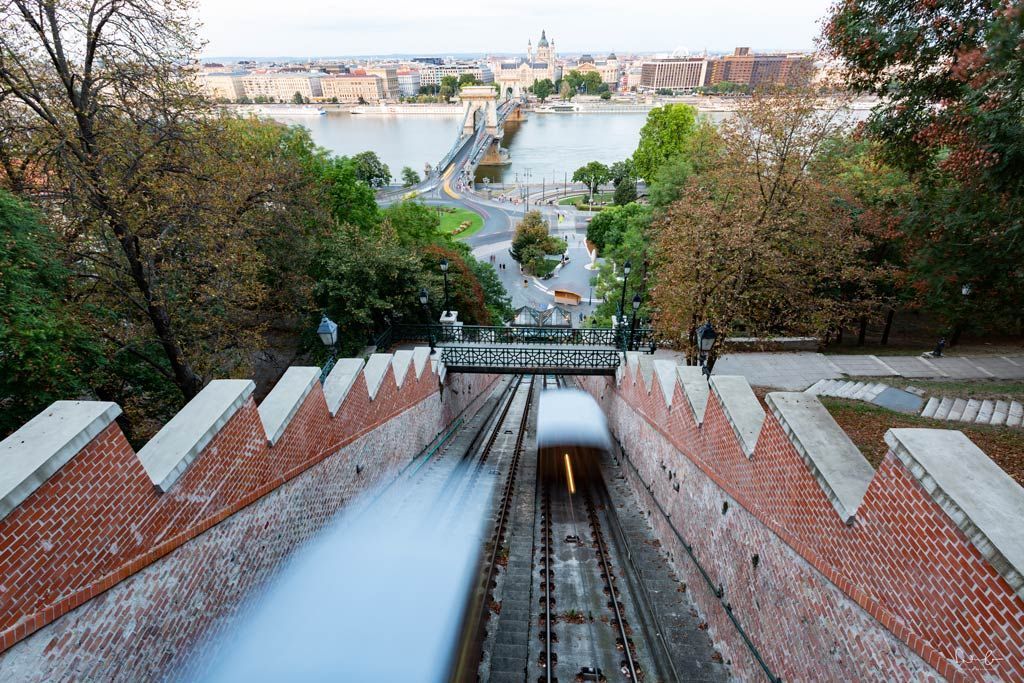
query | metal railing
(525,359)
(617,338)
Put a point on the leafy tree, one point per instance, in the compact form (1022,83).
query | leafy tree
(621,170)
(952,80)
(625,193)
(532,231)
(414,223)
(701,153)
(244,100)
(757,244)
(496,298)
(593,175)
(543,89)
(605,230)
(664,136)
(451,83)
(574,79)
(297,98)
(371,170)
(606,95)
(409,177)
(46,354)
(592,82)
(349,200)
(468,79)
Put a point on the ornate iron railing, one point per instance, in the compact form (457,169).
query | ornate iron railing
(531,359)
(617,338)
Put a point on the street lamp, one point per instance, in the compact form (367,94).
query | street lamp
(706,339)
(626,267)
(328,333)
(444,269)
(426,311)
(632,324)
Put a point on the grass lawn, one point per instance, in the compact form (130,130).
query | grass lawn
(583,198)
(866,424)
(996,389)
(450,221)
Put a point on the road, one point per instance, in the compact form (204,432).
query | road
(491,244)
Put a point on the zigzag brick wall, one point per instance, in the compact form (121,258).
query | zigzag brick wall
(105,576)
(901,593)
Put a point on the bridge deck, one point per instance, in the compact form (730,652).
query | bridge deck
(530,358)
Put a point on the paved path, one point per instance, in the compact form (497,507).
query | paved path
(797,371)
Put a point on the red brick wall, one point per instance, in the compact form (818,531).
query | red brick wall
(99,520)
(900,592)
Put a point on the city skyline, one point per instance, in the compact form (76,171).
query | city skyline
(315,29)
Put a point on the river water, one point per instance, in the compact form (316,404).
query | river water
(545,147)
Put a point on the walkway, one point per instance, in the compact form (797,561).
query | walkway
(797,371)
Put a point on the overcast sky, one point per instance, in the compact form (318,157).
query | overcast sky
(322,27)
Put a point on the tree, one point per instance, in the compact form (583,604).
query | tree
(664,136)
(543,89)
(371,170)
(606,229)
(593,175)
(606,95)
(467,79)
(758,244)
(414,223)
(297,98)
(621,170)
(532,233)
(409,177)
(46,354)
(350,200)
(592,82)
(625,193)
(952,80)
(115,87)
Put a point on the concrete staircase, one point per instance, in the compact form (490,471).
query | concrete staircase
(976,411)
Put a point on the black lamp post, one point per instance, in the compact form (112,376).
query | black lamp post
(632,324)
(328,333)
(626,267)
(426,311)
(444,269)
(706,338)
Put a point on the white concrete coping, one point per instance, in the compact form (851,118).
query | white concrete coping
(375,370)
(441,369)
(283,401)
(44,444)
(695,388)
(741,408)
(449,317)
(647,371)
(838,466)
(169,453)
(420,356)
(339,382)
(627,367)
(981,499)
(401,361)
(665,371)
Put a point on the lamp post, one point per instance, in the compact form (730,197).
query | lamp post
(426,311)
(444,269)
(328,333)
(706,338)
(626,267)
(632,324)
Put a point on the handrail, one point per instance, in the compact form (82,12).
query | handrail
(617,338)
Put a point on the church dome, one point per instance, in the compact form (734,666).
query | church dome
(543,40)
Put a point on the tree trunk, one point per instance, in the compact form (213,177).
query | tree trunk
(863,331)
(888,326)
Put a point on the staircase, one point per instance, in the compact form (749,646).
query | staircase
(975,411)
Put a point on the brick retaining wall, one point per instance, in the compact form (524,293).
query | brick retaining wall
(106,576)
(901,592)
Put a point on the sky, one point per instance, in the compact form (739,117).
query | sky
(318,28)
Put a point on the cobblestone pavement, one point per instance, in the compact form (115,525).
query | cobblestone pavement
(797,371)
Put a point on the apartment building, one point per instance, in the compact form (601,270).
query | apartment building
(431,74)
(683,73)
(282,86)
(353,88)
(748,68)
(389,79)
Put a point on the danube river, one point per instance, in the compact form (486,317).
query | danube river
(547,146)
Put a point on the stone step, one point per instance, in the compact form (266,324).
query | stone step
(847,389)
(875,389)
(1015,416)
(814,389)
(999,413)
(957,410)
(930,407)
(943,410)
(985,412)
(860,393)
(971,411)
